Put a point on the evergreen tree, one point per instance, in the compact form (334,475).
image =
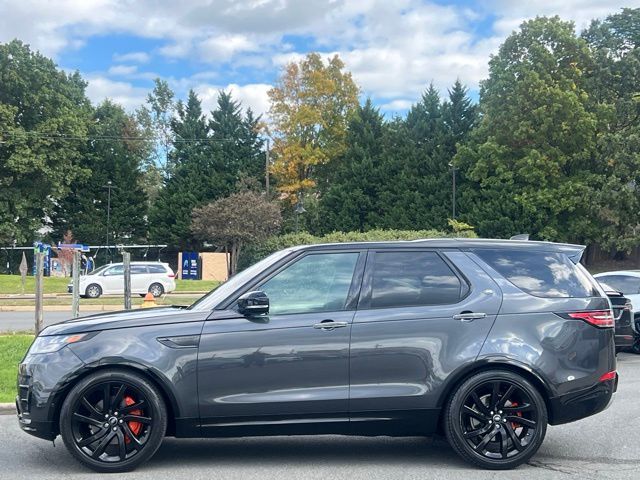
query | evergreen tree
(111,156)
(351,200)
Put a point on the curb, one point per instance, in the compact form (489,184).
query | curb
(7,408)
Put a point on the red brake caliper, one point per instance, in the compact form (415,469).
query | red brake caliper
(519,414)
(134,426)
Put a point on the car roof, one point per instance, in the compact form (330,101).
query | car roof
(629,273)
(135,263)
(458,243)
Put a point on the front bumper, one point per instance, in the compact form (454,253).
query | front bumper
(584,403)
(43,381)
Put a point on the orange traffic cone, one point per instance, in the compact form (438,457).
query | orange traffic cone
(149,301)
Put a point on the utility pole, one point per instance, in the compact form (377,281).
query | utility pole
(108,186)
(39,258)
(266,168)
(75,304)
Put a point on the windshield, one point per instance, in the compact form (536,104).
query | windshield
(99,270)
(211,299)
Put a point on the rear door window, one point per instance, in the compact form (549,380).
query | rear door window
(405,279)
(157,269)
(539,273)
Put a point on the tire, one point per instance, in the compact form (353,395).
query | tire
(156,289)
(117,445)
(470,427)
(635,348)
(93,291)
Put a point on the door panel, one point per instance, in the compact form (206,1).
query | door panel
(113,280)
(401,357)
(274,366)
(291,365)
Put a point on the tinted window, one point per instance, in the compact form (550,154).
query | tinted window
(156,269)
(315,283)
(404,279)
(623,283)
(543,274)
(138,269)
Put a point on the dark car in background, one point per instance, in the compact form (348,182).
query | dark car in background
(625,328)
(487,341)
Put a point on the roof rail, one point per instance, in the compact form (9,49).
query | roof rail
(520,236)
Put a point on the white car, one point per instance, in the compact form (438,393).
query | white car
(152,277)
(625,281)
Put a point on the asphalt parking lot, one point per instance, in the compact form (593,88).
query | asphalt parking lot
(606,446)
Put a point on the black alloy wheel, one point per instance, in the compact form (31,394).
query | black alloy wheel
(113,421)
(496,420)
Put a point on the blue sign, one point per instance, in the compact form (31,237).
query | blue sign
(189,267)
(46,249)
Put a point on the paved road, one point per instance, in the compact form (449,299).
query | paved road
(20,321)
(605,446)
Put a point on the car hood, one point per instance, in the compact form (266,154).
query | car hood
(125,319)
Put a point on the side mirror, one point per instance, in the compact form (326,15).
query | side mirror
(253,303)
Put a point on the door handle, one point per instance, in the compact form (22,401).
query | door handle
(329,325)
(469,316)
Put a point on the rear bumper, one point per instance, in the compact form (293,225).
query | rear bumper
(584,403)
(625,341)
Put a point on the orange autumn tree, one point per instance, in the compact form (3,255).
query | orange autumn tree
(310,107)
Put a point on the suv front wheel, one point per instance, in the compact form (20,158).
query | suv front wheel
(496,420)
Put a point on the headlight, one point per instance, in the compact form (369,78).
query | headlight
(56,342)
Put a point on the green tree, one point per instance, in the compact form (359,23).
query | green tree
(235,139)
(614,86)
(195,177)
(112,155)
(232,222)
(350,202)
(43,113)
(530,166)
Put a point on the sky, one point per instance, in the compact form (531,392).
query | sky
(394,48)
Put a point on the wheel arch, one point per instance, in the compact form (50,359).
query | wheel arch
(148,374)
(499,363)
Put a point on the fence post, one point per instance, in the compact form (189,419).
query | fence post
(126,261)
(75,305)
(39,290)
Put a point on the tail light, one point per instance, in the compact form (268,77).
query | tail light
(597,318)
(608,376)
(171,275)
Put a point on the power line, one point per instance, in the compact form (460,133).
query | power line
(63,136)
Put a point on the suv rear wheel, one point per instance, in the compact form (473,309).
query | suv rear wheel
(496,420)
(156,289)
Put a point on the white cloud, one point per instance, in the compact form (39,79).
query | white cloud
(124,93)
(134,57)
(394,48)
(122,70)
(252,95)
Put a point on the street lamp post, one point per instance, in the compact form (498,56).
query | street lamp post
(108,186)
(453,190)
(299,210)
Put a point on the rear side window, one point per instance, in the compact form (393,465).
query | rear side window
(157,269)
(543,274)
(138,269)
(626,284)
(405,279)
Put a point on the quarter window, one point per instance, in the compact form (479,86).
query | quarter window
(539,273)
(405,279)
(315,283)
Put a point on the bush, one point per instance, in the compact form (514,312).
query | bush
(256,252)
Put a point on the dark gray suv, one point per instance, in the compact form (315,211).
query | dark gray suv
(486,341)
